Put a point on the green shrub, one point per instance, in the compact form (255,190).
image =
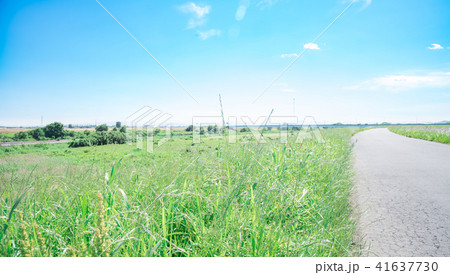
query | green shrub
(245,129)
(20,136)
(54,130)
(100,138)
(101,128)
(37,134)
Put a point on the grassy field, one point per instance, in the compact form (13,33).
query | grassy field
(431,133)
(209,199)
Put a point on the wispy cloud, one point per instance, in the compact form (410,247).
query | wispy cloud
(366,3)
(308,46)
(242,9)
(311,46)
(289,55)
(197,12)
(435,47)
(400,83)
(203,35)
(266,3)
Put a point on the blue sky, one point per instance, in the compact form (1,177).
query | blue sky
(70,61)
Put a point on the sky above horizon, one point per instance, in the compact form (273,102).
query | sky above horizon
(71,61)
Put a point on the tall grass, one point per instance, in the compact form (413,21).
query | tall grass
(431,133)
(208,199)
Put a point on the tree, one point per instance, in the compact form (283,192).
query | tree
(210,128)
(20,135)
(156,131)
(54,130)
(118,124)
(101,128)
(190,128)
(123,129)
(245,129)
(70,126)
(202,130)
(37,134)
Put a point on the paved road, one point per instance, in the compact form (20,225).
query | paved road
(402,194)
(14,143)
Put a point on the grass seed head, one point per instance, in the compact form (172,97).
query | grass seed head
(25,245)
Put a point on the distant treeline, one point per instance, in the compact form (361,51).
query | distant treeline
(101,136)
(56,131)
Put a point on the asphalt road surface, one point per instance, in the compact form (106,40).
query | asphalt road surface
(402,195)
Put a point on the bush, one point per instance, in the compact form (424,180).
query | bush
(54,130)
(69,134)
(100,138)
(101,128)
(212,129)
(190,128)
(123,129)
(37,134)
(116,138)
(87,141)
(20,136)
(245,129)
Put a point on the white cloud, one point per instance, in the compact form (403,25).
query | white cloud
(289,55)
(242,9)
(266,3)
(311,46)
(203,35)
(435,47)
(366,2)
(198,13)
(405,82)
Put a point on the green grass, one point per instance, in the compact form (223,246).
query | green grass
(432,133)
(185,199)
